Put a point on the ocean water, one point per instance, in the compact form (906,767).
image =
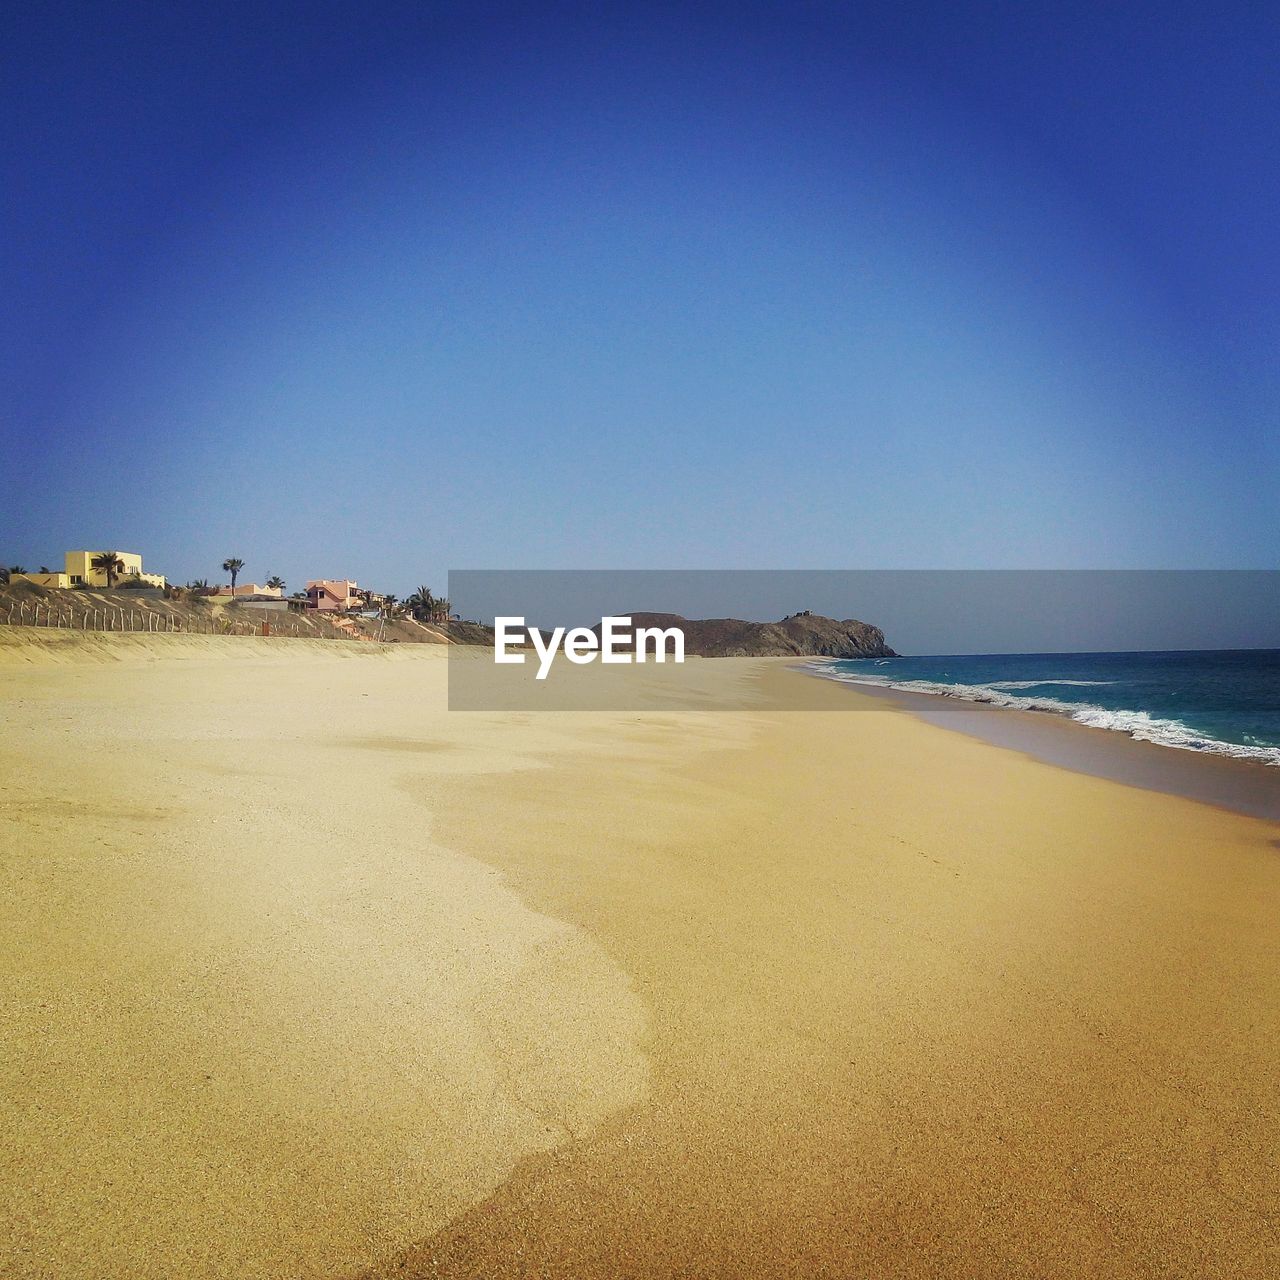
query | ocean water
(1226,702)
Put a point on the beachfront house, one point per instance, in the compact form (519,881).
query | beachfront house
(79,571)
(333,595)
(243,589)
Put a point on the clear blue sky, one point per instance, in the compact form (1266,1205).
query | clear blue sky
(380,291)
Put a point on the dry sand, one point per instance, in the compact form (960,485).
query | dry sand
(304,976)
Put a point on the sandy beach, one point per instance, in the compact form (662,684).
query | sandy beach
(306,976)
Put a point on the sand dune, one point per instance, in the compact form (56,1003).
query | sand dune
(306,976)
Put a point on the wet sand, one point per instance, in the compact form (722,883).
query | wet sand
(305,976)
(1243,786)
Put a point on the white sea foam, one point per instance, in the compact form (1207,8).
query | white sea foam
(1044,684)
(1137,724)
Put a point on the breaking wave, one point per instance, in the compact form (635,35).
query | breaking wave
(1140,725)
(1044,684)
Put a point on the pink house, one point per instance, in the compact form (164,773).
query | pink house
(333,595)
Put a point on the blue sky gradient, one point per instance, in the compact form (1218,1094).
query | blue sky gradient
(382,291)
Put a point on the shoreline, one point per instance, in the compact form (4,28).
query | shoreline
(1246,787)
(917,1006)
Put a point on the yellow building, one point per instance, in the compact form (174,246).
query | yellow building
(79,567)
(81,573)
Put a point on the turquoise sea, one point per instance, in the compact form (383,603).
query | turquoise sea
(1226,702)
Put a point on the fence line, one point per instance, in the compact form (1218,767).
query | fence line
(116,618)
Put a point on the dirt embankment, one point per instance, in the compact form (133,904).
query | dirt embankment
(26,604)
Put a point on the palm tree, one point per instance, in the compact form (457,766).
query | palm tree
(232,566)
(108,562)
(275,582)
(11,572)
(391,608)
(427,607)
(421,603)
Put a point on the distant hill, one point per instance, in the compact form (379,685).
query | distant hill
(801,635)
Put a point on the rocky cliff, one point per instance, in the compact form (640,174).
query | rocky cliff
(801,635)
